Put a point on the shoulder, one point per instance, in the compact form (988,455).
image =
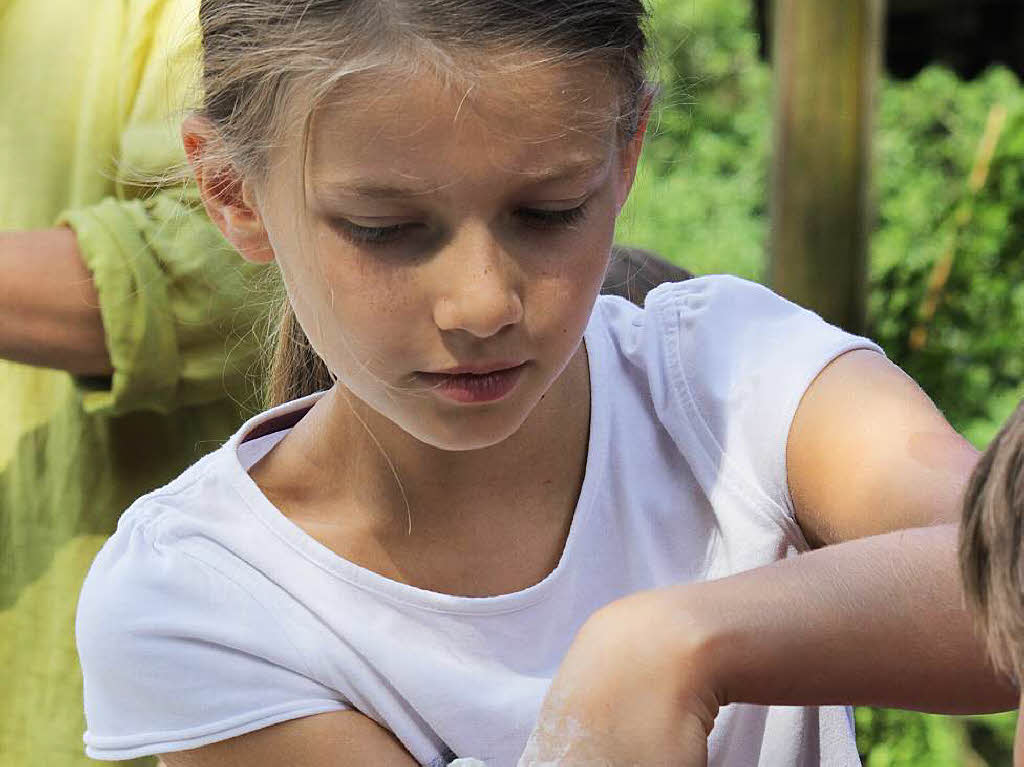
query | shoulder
(178,647)
(725,319)
(710,334)
(175,540)
(721,305)
(162,566)
(727,362)
(725,336)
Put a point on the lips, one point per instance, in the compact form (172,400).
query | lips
(480,368)
(475,383)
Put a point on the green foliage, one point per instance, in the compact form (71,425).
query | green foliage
(981,431)
(701,200)
(889,738)
(991,738)
(929,134)
(700,192)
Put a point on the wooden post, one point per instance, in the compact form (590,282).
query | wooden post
(827,55)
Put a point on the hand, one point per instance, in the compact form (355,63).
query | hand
(630,691)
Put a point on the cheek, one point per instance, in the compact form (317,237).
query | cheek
(562,303)
(583,272)
(567,284)
(364,318)
(581,254)
(338,281)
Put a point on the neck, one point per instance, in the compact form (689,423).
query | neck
(347,460)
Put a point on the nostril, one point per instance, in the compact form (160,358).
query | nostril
(479,313)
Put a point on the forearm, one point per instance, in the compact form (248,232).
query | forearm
(877,621)
(49,308)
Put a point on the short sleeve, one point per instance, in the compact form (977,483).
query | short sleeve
(738,360)
(176,655)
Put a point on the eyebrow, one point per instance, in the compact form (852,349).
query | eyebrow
(373,189)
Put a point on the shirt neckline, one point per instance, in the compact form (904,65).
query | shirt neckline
(283,417)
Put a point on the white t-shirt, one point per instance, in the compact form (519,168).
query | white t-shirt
(209,614)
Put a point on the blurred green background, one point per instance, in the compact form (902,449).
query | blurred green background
(701,201)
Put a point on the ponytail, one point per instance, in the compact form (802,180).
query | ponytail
(296,370)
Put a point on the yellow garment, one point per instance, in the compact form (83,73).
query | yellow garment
(90,92)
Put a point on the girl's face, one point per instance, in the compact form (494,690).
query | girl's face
(451,244)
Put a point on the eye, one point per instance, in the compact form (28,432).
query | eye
(374,235)
(543,218)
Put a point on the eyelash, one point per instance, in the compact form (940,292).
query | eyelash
(552,219)
(534,218)
(372,235)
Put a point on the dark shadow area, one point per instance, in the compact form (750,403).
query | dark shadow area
(144,451)
(633,272)
(968,36)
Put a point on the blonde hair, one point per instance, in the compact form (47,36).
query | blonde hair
(990,546)
(261,56)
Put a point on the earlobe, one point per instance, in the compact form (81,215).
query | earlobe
(224,193)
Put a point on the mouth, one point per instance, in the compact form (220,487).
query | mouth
(469,384)
(481,368)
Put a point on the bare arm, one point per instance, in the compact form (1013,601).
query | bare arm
(877,621)
(873,620)
(880,620)
(868,453)
(49,308)
(336,739)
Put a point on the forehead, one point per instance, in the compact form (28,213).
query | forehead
(529,121)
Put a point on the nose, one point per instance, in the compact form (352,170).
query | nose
(480,290)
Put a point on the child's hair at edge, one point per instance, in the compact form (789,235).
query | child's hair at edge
(258,54)
(990,546)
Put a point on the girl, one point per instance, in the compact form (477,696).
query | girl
(480,475)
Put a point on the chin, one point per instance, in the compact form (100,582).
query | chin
(465,441)
(462,432)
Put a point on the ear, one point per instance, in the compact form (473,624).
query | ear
(227,197)
(630,156)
